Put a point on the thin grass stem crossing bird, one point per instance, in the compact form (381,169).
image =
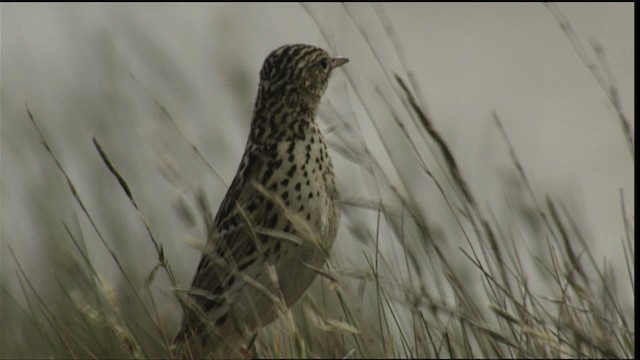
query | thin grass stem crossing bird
(279,217)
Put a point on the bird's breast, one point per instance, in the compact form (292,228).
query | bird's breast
(305,182)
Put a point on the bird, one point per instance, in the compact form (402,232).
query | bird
(279,218)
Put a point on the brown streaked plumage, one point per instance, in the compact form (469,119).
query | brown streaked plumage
(280,212)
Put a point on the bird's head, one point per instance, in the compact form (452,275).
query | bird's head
(299,68)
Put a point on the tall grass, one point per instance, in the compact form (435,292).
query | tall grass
(523,285)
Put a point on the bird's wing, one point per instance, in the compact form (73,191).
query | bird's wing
(232,242)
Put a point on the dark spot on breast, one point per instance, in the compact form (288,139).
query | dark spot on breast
(285,182)
(267,174)
(297,187)
(300,130)
(292,170)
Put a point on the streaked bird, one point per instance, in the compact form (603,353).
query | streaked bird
(279,217)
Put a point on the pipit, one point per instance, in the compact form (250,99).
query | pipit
(279,217)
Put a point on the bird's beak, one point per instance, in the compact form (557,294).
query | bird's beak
(338,61)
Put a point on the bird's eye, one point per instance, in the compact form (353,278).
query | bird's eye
(324,63)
